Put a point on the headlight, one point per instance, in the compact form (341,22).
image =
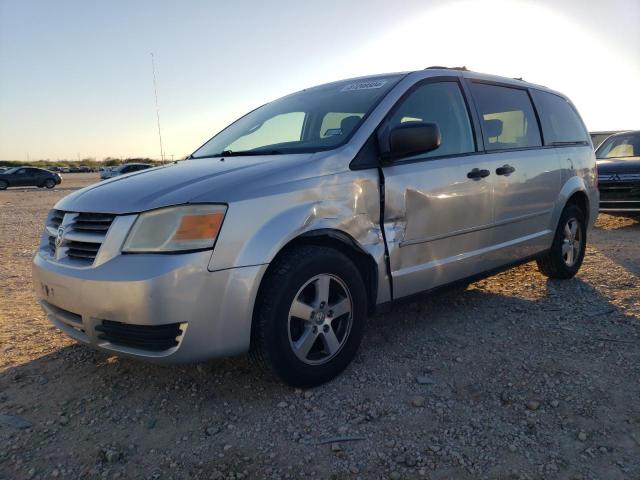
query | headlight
(176,229)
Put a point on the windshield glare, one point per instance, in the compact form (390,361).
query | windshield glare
(620,146)
(319,118)
(10,170)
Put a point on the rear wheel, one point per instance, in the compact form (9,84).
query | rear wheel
(310,316)
(565,257)
(3,184)
(49,183)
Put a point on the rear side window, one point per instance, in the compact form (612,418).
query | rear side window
(440,103)
(560,122)
(507,116)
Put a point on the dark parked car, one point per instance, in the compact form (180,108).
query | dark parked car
(28,177)
(619,174)
(124,169)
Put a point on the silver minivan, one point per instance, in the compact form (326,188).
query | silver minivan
(281,234)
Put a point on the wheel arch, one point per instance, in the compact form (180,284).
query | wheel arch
(339,241)
(580,199)
(345,244)
(574,192)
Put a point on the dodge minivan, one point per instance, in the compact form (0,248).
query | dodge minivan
(283,232)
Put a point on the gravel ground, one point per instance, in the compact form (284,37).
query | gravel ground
(516,377)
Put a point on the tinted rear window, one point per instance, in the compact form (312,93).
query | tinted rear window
(507,116)
(560,122)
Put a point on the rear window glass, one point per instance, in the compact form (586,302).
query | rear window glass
(560,122)
(508,118)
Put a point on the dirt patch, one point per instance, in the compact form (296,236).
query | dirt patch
(514,377)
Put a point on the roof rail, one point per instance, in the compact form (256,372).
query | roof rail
(462,69)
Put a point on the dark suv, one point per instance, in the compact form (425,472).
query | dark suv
(28,177)
(619,174)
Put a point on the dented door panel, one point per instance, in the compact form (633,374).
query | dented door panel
(437,222)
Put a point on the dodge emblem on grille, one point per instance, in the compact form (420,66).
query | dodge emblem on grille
(59,237)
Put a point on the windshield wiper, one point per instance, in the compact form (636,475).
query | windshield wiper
(242,153)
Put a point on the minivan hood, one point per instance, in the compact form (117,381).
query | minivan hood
(200,181)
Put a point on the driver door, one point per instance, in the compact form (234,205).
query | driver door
(437,219)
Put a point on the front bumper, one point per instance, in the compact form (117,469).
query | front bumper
(214,309)
(621,197)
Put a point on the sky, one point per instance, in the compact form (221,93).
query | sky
(76,77)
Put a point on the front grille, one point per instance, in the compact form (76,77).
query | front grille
(93,222)
(83,250)
(84,234)
(619,190)
(56,218)
(154,338)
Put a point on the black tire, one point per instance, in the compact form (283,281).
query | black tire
(554,264)
(49,183)
(3,184)
(287,280)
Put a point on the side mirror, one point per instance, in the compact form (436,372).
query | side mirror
(412,138)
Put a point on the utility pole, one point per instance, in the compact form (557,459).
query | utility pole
(155,91)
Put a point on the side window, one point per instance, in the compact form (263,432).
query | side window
(283,128)
(22,171)
(507,116)
(560,122)
(441,103)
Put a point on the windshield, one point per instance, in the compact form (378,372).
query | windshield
(620,146)
(315,119)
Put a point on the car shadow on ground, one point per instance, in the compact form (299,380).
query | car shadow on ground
(616,236)
(488,350)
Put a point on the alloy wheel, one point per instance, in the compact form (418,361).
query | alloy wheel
(572,242)
(320,319)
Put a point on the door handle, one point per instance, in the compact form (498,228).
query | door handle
(477,174)
(505,170)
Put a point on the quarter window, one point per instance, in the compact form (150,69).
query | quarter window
(560,122)
(440,103)
(508,119)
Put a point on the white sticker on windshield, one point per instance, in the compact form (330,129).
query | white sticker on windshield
(364,85)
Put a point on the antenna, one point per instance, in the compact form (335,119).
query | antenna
(155,91)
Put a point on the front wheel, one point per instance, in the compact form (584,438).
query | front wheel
(3,184)
(49,183)
(565,257)
(310,316)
